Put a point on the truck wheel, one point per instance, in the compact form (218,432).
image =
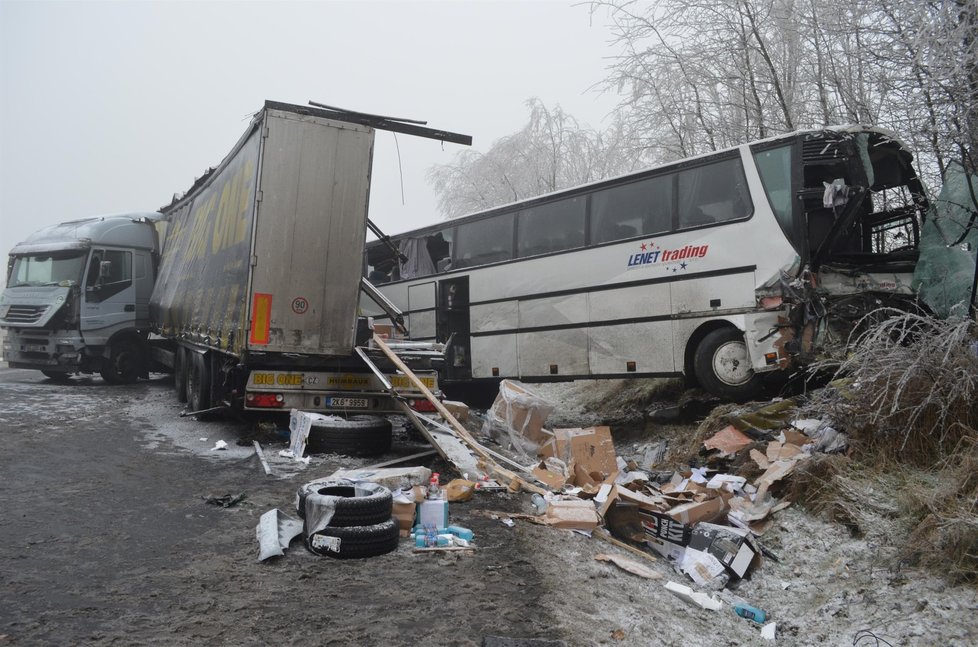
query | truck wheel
(355,541)
(57,376)
(354,436)
(362,504)
(180,373)
(124,363)
(723,367)
(198,381)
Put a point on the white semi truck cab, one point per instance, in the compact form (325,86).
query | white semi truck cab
(77,297)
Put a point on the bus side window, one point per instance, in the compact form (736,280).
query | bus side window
(489,240)
(635,209)
(552,227)
(713,193)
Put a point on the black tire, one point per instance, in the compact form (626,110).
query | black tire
(361,504)
(57,376)
(124,363)
(354,436)
(356,541)
(198,382)
(723,367)
(180,373)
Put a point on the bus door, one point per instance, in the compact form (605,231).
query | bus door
(453,322)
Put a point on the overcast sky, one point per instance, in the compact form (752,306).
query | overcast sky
(108,107)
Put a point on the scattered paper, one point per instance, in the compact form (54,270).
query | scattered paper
(768,631)
(695,597)
(219,445)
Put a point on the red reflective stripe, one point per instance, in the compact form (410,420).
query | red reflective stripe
(261,315)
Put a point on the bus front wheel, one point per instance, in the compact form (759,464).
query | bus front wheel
(723,367)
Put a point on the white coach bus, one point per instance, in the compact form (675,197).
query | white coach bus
(722,268)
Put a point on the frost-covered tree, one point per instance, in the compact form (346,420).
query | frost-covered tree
(697,75)
(552,151)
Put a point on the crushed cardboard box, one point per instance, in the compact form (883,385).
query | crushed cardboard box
(732,547)
(516,418)
(571,514)
(591,451)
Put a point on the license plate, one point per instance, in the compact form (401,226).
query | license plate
(33,348)
(348,403)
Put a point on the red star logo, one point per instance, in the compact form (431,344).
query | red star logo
(644,246)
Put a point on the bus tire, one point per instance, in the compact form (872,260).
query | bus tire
(355,541)
(360,435)
(363,504)
(198,382)
(723,367)
(180,373)
(124,363)
(57,376)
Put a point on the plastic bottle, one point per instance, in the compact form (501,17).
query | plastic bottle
(539,504)
(460,532)
(434,489)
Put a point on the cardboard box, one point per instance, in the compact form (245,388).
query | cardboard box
(696,511)
(730,546)
(433,512)
(590,450)
(458,409)
(660,526)
(553,480)
(404,513)
(574,514)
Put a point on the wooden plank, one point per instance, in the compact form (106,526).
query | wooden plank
(460,431)
(402,459)
(261,457)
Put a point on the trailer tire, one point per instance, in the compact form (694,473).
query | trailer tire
(124,363)
(180,373)
(360,435)
(57,376)
(723,367)
(360,504)
(355,541)
(198,382)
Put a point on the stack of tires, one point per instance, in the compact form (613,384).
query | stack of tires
(361,523)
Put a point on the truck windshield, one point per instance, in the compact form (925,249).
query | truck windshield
(56,268)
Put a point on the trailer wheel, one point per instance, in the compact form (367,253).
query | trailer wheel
(723,367)
(354,436)
(360,504)
(124,363)
(198,381)
(355,541)
(57,376)
(180,373)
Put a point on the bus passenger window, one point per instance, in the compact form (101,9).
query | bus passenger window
(552,227)
(489,240)
(713,193)
(636,209)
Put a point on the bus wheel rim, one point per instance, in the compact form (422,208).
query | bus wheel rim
(730,363)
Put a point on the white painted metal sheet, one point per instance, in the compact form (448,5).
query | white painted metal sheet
(648,344)
(494,316)
(567,349)
(496,351)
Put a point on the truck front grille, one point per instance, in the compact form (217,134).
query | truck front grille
(24,314)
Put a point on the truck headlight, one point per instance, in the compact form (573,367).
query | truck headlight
(4,309)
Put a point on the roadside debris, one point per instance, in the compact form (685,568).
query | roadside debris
(261,457)
(629,565)
(219,445)
(698,598)
(226,500)
(275,531)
